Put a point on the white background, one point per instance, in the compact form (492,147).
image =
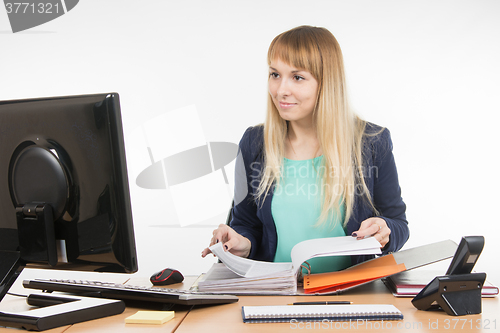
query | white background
(427,70)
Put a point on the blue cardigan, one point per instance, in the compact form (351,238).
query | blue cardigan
(254,220)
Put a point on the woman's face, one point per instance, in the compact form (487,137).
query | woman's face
(294,91)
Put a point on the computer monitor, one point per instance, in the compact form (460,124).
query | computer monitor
(64,195)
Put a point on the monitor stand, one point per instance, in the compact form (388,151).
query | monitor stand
(56,310)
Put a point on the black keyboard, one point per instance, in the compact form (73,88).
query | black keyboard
(128,292)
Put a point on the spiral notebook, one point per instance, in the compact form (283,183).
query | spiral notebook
(337,312)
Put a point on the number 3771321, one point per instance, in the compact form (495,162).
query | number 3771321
(32,8)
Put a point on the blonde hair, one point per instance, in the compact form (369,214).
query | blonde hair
(340,132)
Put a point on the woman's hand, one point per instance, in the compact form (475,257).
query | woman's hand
(376,227)
(231,241)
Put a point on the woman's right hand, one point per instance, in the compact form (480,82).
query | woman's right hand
(231,241)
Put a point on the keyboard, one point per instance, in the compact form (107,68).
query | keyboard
(129,292)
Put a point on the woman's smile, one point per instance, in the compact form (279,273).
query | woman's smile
(285,105)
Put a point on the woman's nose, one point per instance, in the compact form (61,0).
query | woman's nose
(283,89)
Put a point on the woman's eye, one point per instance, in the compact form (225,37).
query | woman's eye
(298,77)
(274,75)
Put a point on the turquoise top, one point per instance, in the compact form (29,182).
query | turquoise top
(296,207)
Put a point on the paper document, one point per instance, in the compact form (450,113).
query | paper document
(247,267)
(303,251)
(243,276)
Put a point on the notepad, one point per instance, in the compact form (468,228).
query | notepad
(150,317)
(287,313)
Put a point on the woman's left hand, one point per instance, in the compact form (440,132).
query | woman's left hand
(376,227)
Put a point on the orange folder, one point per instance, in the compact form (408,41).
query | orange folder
(353,276)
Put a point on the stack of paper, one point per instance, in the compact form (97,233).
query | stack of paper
(244,276)
(221,279)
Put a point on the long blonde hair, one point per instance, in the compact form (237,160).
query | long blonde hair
(340,132)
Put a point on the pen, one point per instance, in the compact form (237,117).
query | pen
(321,303)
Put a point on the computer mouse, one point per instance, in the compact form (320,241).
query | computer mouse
(166,276)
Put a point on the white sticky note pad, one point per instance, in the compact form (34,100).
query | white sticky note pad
(150,317)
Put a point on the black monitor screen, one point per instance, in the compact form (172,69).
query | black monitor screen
(64,185)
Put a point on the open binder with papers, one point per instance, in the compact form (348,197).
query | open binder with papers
(380,267)
(243,276)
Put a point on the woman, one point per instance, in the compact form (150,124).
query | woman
(314,169)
